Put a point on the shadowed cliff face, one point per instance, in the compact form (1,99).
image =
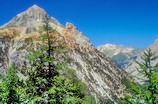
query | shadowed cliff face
(103,78)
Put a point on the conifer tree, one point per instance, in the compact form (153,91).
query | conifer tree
(146,93)
(45,84)
(9,86)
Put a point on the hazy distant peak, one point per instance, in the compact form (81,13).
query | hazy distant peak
(115,47)
(119,53)
(112,45)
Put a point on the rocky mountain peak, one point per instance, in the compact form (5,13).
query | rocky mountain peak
(33,15)
(116,48)
(36,7)
(112,46)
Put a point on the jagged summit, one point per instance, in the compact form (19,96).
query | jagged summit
(35,12)
(32,15)
(35,6)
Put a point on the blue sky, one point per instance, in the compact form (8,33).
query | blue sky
(126,22)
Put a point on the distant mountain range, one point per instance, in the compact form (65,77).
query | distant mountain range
(120,54)
(126,57)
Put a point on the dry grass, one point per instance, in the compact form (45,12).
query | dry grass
(10,32)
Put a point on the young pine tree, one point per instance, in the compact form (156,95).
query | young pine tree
(9,86)
(146,93)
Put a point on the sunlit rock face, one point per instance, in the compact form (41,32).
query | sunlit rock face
(103,78)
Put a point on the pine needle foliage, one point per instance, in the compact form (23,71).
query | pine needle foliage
(145,92)
(10,86)
(46,84)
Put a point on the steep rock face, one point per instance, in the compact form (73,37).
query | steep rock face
(4,47)
(101,75)
(132,67)
(5,44)
(120,54)
(103,78)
